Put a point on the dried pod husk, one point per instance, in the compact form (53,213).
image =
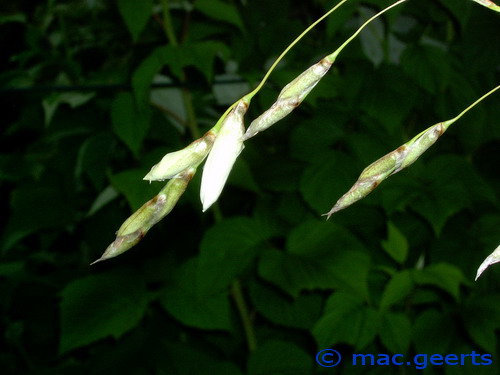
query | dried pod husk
(227,147)
(151,212)
(175,162)
(289,98)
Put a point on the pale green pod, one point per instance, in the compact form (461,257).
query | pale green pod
(488,4)
(358,191)
(417,147)
(385,166)
(175,162)
(121,244)
(289,98)
(493,258)
(301,86)
(139,223)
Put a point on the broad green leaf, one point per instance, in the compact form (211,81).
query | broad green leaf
(372,37)
(35,207)
(448,185)
(424,64)
(221,11)
(195,304)
(300,312)
(241,176)
(92,160)
(443,276)
(346,320)
(130,122)
(135,14)
(73,99)
(279,358)
(227,249)
(104,197)
(136,190)
(145,72)
(425,328)
(380,89)
(312,137)
(98,306)
(481,317)
(395,332)
(398,287)
(396,244)
(320,255)
(327,179)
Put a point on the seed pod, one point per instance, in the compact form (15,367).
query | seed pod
(139,223)
(421,144)
(488,4)
(493,258)
(388,165)
(227,146)
(369,179)
(175,162)
(289,98)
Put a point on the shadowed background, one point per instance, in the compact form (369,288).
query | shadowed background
(96,92)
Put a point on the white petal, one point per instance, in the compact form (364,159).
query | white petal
(227,146)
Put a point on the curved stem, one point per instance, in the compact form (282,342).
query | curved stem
(263,81)
(186,95)
(331,58)
(474,104)
(245,317)
(248,97)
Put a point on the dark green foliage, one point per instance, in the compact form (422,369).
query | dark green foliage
(391,274)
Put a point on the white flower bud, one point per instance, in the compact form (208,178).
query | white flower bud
(175,162)
(227,146)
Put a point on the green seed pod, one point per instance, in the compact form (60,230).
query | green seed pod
(418,146)
(358,191)
(289,98)
(488,4)
(139,223)
(384,166)
(175,162)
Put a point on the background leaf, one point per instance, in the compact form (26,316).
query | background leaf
(135,14)
(95,307)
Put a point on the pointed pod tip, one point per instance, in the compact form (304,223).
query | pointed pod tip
(96,261)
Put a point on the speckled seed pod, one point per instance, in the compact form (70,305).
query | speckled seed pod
(175,162)
(139,223)
(289,98)
(488,4)
(388,165)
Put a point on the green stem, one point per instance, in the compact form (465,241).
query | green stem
(244,315)
(248,97)
(257,89)
(447,123)
(167,23)
(186,95)
(331,58)
(473,105)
